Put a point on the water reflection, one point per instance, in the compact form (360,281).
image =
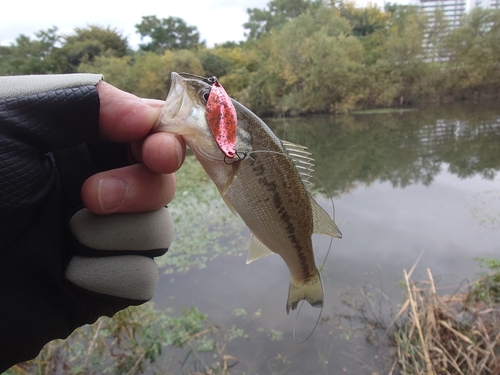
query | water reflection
(403,148)
(446,161)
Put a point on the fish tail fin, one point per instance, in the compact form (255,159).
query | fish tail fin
(311,291)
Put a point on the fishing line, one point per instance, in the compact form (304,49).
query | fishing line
(242,157)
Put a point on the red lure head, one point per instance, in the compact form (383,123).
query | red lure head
(222,119)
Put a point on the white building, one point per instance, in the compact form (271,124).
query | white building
(454,9)
(495,4)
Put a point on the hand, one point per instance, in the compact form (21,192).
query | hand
(138,187)
(66,141)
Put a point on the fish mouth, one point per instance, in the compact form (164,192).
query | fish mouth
(175,96)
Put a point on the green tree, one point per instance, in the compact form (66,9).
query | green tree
(314,65)
(116,70)
(147,74)
(170,33)
(438,27)
(278,12)
(364,20)
(88,43)
(243,62)
(402,60)
(39,55)
(474,50)
(214,65)
(369,24)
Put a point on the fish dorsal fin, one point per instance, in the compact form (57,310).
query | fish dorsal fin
(322,222)
(257,250)
(304,163)
(302,160)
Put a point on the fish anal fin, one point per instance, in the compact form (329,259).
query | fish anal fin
(322,222)
(257,250)
(311,291)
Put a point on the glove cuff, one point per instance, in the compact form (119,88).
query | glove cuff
(17,86)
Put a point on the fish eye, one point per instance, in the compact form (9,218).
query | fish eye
(204,96)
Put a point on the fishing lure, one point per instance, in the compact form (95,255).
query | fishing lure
(222,118)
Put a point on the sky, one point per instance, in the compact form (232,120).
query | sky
(218,21)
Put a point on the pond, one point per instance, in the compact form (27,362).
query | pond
(404,184)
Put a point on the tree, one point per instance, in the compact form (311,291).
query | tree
(88,43)
(314,65)
(402,58)
(33,56)
(474,49)
(365,20)
(278,12)
(368,25)
(214,65)
(170,33)
(438,27)
(116,70)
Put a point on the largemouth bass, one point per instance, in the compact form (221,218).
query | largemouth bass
(265,183)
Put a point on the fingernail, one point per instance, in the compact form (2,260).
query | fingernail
(180,153)
(112,192)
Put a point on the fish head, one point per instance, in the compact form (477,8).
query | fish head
(184,114)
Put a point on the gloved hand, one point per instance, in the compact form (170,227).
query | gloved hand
(65,142)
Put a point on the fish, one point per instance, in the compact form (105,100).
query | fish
(265,182)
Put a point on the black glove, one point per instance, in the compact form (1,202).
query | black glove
(60,265)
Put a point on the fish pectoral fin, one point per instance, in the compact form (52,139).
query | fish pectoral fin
(223,191)
(230,178)
(322,222)
(257,250)
(227,202)
(311,291)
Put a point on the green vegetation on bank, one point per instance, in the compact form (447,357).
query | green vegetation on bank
(300,56)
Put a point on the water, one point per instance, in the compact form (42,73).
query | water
(402,183)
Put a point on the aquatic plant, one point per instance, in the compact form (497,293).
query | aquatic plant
(196,203)
(134,341)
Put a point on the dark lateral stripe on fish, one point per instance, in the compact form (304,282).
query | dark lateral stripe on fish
(260,170)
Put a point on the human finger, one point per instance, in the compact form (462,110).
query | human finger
(124,117)
(134,188)
(161,152)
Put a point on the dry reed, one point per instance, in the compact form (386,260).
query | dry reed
(446,335)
